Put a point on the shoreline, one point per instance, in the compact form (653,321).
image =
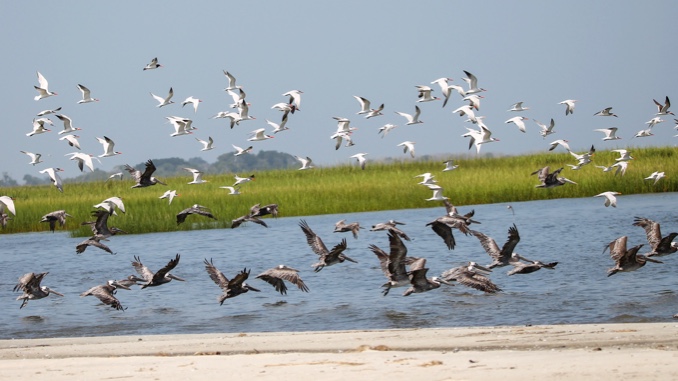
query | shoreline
(581,351)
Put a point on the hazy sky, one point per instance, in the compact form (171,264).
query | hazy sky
(603,54)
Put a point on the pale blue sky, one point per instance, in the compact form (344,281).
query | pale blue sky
(604,54)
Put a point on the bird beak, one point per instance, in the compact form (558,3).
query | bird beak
(652,260)
(445,282)
(171,276)
(482,269)
(118,285)
(56,293)
(252,288)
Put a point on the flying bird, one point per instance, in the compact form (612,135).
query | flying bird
(610,198)
(106,293)
(656,176)
(161,277)
(153,64)
(35,157)
(169,195)
(144,179)
(29,285)
(42,88)
(561,142)
(550,180)
(569,105)
(195,209)
(361,159)
(86,95)
(411,119)
(241,180)
(504,256)
(341,226)
(662,109)
(164,101)
(605,112)
(240,151)
(230,288)
(194,101)
(306,163)
(660,245)
(54,176)
(39,126)
(277,275)
(327,257)
(408,146)
(53,217)
(518,107)
(68,124)
(72,140)
(518,121)
(197,176)
(626,260)
(109,147)
(545,130)
(610,133)
(471,275)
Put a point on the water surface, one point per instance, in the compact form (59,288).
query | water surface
(348,296)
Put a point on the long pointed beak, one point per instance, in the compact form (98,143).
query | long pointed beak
(443,281)
(118,285)
(252,288)
(171,276)
(482,269)
(652,260)
(60,294)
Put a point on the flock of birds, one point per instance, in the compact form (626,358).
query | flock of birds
(399,269)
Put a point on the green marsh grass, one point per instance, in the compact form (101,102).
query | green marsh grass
(341,189)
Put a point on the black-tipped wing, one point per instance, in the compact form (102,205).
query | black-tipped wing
(313,240)
(217,276)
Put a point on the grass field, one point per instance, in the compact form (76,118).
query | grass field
(342,189)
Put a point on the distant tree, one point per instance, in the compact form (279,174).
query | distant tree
(7,181)
(33,180)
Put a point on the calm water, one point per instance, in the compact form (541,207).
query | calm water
(347,296)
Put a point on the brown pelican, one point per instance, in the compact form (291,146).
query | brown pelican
(550,180)
(504,256)
(53,217)
(394,264)
(231,288)
(660,245)
(452,212)
(443,225)
(29,283)
(342,226)
(391,226)
(195,209)
(626,260)
(144,179)
(280,273)
(161,277)
(327,257)
(101,232)
(258,210)
(526,266)
(471,275)
(106,292)
(247,218)
(420,283)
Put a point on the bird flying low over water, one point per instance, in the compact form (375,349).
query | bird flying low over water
(471,275)
(661,246)
(156,279)
(626,260)
(231,288)
(526,266)
(29,284)
(391,226)
(394,264)
(420,283)
(106,293)
(53,217)
(144,179)
(500,257)
(341,226)
(327,257)
(277,275)
(195,209)
(610,199)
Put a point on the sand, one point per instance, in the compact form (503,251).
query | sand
(647,351)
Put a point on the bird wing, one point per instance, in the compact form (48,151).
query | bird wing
(141,269)
(217,276)
(445,232)
(511,242)
(168,267)
(488,244)
(150,168)
(652,231)
(313,240)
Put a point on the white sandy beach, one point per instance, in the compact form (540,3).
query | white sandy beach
(646,351)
